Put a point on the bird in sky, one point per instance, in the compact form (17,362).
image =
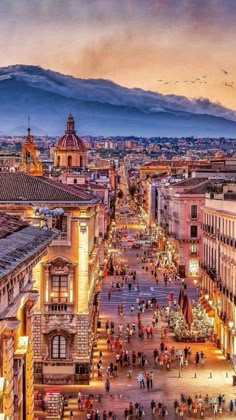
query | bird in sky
(204,77)
(160,80)
(166,83)
(228,85)
(193,81)
(224,71)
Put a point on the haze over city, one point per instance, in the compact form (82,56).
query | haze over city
(132,42)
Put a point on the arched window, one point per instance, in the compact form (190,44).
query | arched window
(58,161)
(58,347)
(81,161)
(69,161)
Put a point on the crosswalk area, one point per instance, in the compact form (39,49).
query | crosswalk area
(146,291)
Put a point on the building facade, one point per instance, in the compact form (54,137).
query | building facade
(70,152)
(180,218)
(65,317)
(22,247)
(219,265)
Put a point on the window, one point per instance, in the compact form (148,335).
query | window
(193,211)
(193,249)
(60,223)
(58,350)
(193,231)
(69,161)
(59,289)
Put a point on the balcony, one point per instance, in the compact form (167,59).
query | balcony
(193,253)
(227,240)
(193,217)
(210,271)
(58,307)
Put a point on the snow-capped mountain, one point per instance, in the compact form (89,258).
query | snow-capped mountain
(102,107)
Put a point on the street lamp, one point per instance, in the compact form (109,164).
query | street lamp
(230,324)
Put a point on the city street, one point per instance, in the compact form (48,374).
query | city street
(213,378)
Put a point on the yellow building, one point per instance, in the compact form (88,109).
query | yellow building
(65,315)
(30,162)
(21,248)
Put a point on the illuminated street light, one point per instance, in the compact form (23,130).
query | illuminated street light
(230,324)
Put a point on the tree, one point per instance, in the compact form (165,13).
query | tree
(132,189)
(120,194)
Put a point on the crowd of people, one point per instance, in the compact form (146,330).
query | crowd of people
(146,319)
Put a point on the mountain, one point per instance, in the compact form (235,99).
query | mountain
(102,107)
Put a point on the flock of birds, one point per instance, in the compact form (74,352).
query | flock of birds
(201,80)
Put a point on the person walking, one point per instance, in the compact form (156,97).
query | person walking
(71,415)
(153,407)
(151,378)
(176,406)
(140,379)
(107,386)
(155,356)
(126,414)
(148,380)
(231,407)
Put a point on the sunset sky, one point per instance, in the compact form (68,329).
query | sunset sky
(132,42)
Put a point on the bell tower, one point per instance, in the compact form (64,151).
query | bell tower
(30,162)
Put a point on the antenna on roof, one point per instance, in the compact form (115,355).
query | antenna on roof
(29,125)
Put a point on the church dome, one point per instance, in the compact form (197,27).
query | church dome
(70,141)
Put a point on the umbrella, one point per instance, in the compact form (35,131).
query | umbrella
(181,297)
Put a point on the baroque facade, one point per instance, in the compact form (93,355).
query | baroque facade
(65,317)
(21,248)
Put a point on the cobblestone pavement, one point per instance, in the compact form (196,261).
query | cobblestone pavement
(213,378)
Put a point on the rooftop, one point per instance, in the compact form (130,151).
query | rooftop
(10,224)
(190,182)
(20,187)
(20,242)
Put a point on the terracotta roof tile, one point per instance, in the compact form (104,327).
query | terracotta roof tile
(10,224)
(15,187)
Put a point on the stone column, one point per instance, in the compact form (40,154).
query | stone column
(29,364)
(8,373)
(83,288)
(83,272)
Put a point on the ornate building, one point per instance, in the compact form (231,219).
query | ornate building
(65,317)
(70,151)
(218,284)
(21,248)
(30,162)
